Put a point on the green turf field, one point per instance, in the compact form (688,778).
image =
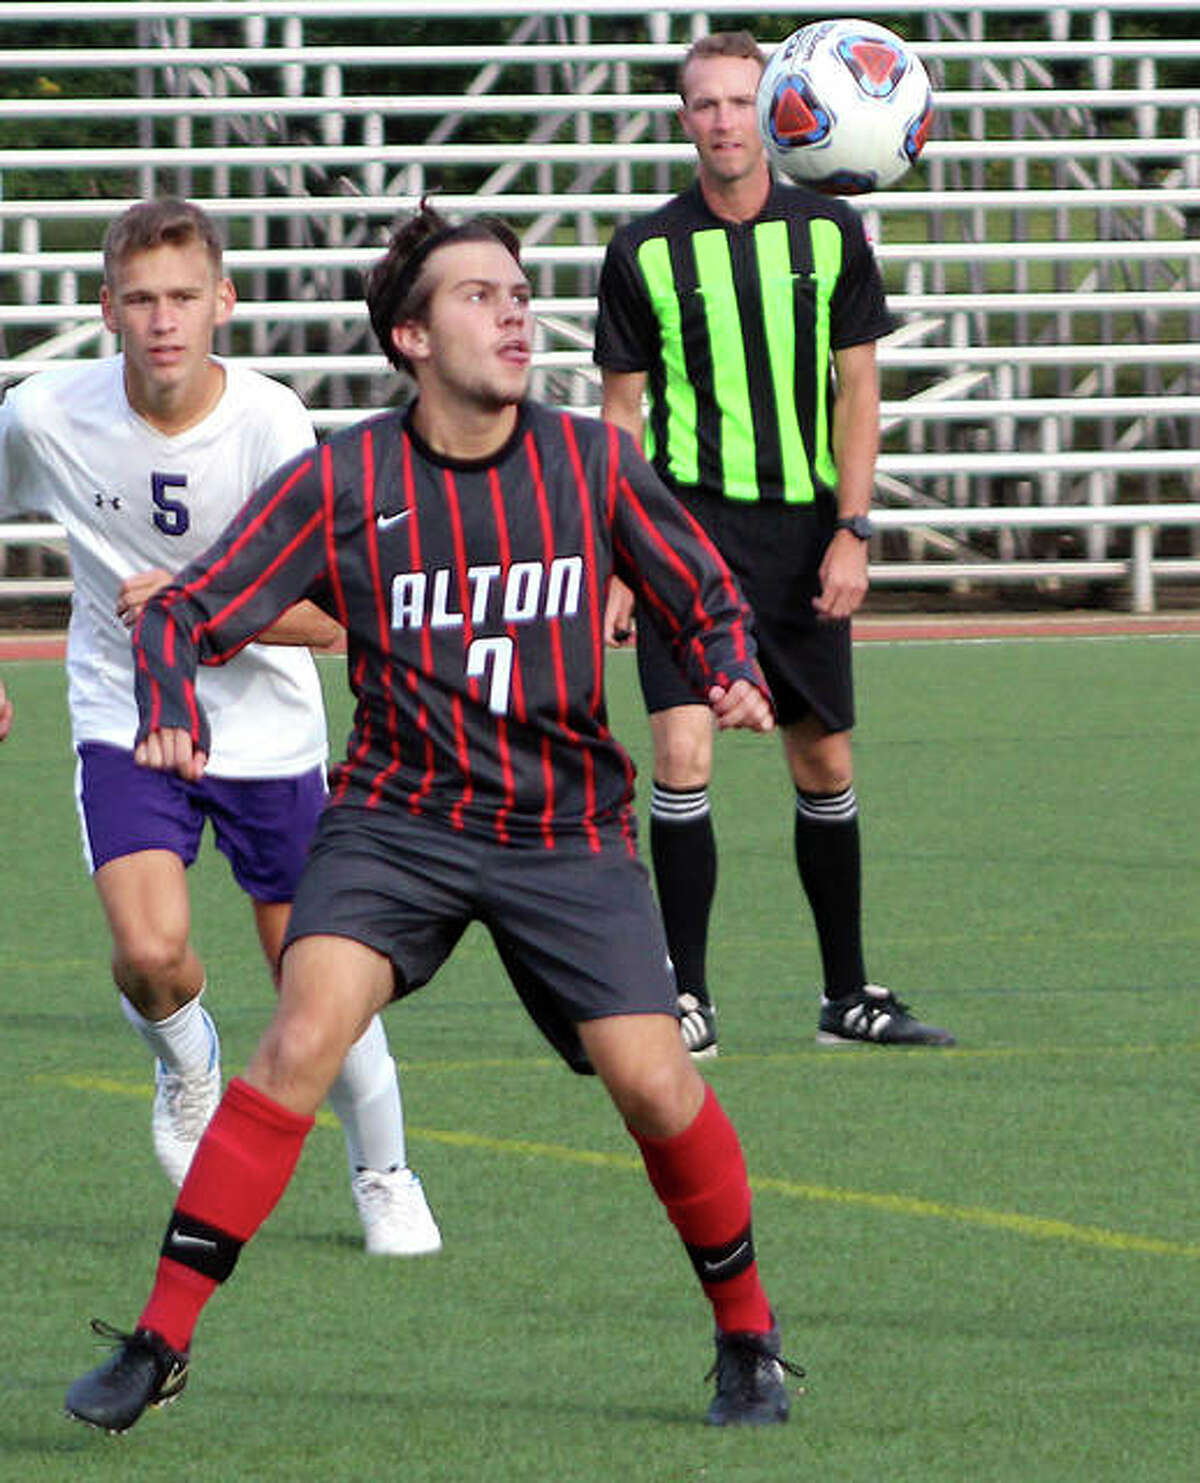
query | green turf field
(988,1259)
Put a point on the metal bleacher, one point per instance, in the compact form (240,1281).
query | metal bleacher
(1041,397)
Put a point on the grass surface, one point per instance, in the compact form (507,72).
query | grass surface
(988,1259)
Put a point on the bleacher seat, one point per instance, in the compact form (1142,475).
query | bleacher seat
(1043,257)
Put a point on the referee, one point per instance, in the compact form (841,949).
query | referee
(746,312)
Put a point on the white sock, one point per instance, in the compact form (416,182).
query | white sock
(366,1098)
(186,1042)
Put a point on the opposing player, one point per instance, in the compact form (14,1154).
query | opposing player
(6,712)
(144,457)
(465,543)
(748,311)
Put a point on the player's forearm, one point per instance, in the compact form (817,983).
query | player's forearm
(726,652)
(685,588)
(164,667)
(207,615)
(256,578)
(306,625)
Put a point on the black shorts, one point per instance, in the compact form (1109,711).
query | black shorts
(578,932)
(775,551)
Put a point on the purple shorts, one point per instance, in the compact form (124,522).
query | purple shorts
(261,825)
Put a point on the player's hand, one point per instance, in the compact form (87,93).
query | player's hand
(6,712)
(742,707)
(620,629)
(136,591)
(843,575)
(171,750)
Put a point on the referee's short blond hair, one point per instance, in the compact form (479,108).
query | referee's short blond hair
(719,44)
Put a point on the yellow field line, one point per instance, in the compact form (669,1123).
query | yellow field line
(1032,1226)
(1036,1227)
(843,1056)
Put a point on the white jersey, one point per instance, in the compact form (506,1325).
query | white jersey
(130,497)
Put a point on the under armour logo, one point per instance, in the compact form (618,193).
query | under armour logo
(113,501)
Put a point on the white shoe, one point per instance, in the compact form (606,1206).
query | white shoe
(397,1220)
(183,1107)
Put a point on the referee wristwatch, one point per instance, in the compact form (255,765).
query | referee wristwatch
(857,525)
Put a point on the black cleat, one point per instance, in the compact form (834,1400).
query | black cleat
(143,1370)
(750,1388)
(874,1016)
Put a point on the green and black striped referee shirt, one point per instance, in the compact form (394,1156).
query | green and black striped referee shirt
(734,325)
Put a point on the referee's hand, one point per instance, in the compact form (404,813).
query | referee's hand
(620,629)
(742,707)
(843,577)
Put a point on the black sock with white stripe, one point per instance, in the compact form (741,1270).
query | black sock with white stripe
(830,865)
(683,848)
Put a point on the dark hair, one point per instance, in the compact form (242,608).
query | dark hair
(720,44)
(398,288)
(165,222)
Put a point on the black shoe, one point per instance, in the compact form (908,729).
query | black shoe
(143,1370)
(750,1388)
(874,1016)
(698,1026)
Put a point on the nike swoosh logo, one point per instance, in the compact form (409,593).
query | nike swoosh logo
(181,1238)
(385,522)
(714,1269)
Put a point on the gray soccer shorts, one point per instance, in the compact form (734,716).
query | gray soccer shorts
(578,932)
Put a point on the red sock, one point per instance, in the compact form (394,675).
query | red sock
(700,1176)
(240,1169)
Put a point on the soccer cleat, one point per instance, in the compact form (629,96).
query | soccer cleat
(183,1107)
(143,1370)
(698,1026)
(750,1387)
(396,1217)
(874,1016)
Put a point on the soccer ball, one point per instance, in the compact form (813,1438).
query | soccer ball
(844,107)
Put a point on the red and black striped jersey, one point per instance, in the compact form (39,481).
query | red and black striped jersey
(473,598)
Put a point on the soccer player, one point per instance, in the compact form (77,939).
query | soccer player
(6,712)
(144,457)
(748,311)
(465,544)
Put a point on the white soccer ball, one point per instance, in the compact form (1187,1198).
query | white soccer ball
(844,107)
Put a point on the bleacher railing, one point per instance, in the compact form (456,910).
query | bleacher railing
(1044,257)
